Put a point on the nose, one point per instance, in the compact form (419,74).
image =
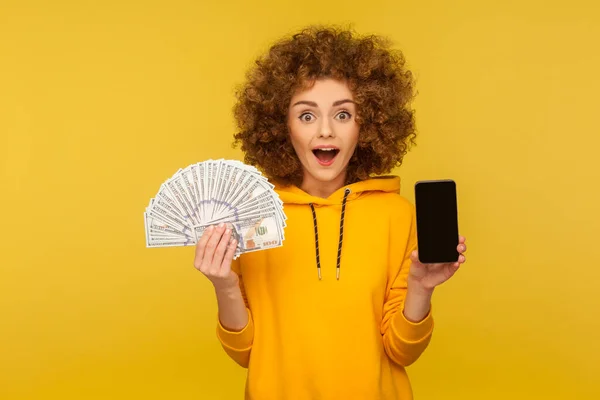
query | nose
(325,128)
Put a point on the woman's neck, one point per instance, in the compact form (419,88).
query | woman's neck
(322,189)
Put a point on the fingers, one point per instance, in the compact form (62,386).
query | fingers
(217,260)
(201,246)
(414,256)
(206,249)
(461,260)
(211,245)
(462,247)
(228,258)
(215,251)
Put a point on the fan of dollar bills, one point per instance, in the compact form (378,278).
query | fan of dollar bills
(213,192)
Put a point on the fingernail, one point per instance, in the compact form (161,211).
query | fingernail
(210,228)
(221,225)
(227,231)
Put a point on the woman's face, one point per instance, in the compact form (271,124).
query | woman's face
(323,130)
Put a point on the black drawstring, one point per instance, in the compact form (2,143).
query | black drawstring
(339,253)
(316,239)
(337,270)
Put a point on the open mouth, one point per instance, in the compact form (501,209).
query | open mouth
(326,155)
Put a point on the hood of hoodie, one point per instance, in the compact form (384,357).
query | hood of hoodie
(295,195)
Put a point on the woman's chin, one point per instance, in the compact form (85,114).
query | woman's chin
(325,176)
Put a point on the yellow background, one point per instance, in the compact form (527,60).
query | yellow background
(102,101)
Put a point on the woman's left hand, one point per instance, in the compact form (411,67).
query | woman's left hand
(428,276)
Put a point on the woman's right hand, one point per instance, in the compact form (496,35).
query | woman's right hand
(214,253)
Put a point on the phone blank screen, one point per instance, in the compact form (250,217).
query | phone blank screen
(437,221)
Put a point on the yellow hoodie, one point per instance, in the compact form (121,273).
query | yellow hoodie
(311,338)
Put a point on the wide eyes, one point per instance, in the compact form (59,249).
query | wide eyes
(342,116)
(307,117)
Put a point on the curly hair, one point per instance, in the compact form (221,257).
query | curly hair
(376,75)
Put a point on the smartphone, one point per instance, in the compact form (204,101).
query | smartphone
(437,221)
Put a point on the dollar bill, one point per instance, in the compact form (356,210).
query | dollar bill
(260,233)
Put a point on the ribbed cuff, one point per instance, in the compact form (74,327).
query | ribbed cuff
(239,341)
(412,332)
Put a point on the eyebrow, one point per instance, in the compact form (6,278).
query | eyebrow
(313,104)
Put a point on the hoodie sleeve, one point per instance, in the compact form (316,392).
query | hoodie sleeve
(238,344)
(404,341)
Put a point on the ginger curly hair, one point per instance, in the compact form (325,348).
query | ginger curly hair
(376,75)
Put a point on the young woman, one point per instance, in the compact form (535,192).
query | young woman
(344,305)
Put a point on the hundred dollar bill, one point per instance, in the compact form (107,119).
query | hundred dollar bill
(168,243)
(189,189)
(196,171)
(267,199)
(264,208)
(160,239)
(158,227)
(209,183)
(218,194)
(226,179)
(157,212)
(259,234)
(202,190)
(257,192)
(229,177)
(165,207)
(169,205)
(170,194)
(237,190)
(214,182)
(250,187)
(176,188)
